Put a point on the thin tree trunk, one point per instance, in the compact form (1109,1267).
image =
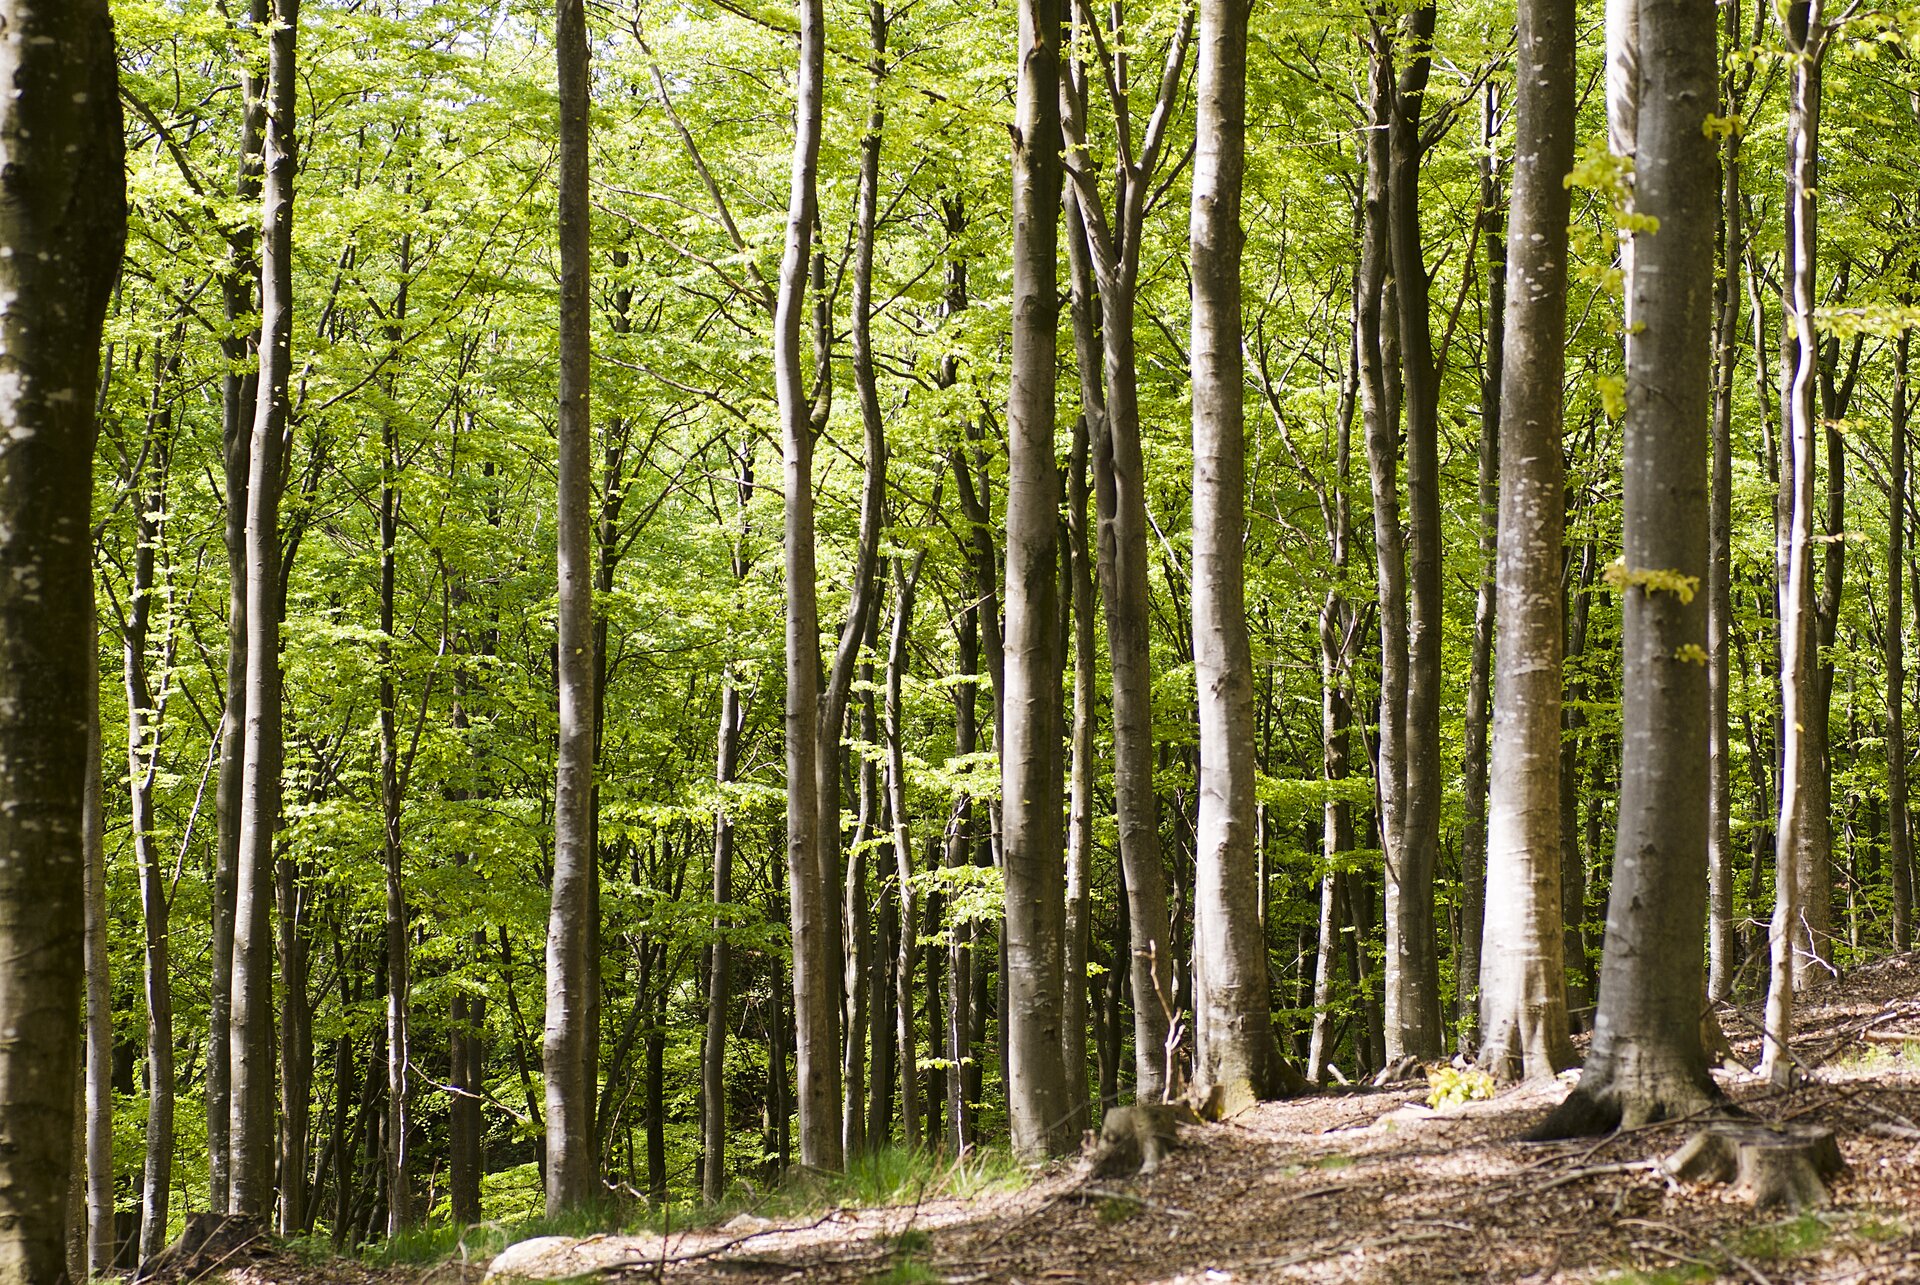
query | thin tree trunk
(400,1215)
(1413,977)
(1647,1061)
(1523,993)
(1379,410)
(1113,245)
(1029,735)
(1234,1052)
(812,885)
(1473,840)
(1899,853)
(906,582)
(1722,946)
(572,1177)
(239,391)
(95,1214)
(1085,769)
(713,1057)
(143,765)
(251,1129)
(861,1113)
(1805,34)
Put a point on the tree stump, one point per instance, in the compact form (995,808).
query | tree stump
(1134,1140)
(1773,1168)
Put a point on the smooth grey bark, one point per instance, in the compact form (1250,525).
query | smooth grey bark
(862,1115)
(906,581)
(1647,1061)
(1899,851)
(1722,944)
(1234,1050)
(1112,237)
(572,1177)
(713,1054)
(1381,413)
(62,226)
(1473,839)
(251,1129)
(399,1014)
(1030,729)
(144,723)
(1523,993)
(94,1214)
(1412,957)
(239,389)
(812,885)
(1805,34)
(1078,551)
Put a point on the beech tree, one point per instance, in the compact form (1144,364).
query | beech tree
(63,218)
(572,1170)
(1647,1061)
(1523,996)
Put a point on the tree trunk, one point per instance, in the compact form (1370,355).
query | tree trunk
(1899,853)
(1413,976)
(713,1055)
(239,390)
(906,582)
(400,1215)
(1113,244)
(1473,840)
(1379,410)
(1085,770)
(1029,735)
(251,1129)
(63,224)
(1805,34)
(1234,1051)
(94,1215)
(572,1171)
(1647,1061)
(811,832)
(1722,945)
(143,766)
(1523,992)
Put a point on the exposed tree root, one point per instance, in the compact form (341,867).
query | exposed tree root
(1601,1105)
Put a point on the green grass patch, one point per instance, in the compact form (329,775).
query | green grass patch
(1680,1274)
(1788,1239)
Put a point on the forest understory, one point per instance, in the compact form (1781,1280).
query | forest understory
(1354,1185)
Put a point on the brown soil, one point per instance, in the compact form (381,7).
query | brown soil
(1371,1186)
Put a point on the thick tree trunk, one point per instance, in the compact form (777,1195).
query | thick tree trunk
(1234,1051)
(251,1129)
(62,225)
(572,1171)
(1647,1061)
(1029,734)
(1523,993)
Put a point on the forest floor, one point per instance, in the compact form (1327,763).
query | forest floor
(1371,1186)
